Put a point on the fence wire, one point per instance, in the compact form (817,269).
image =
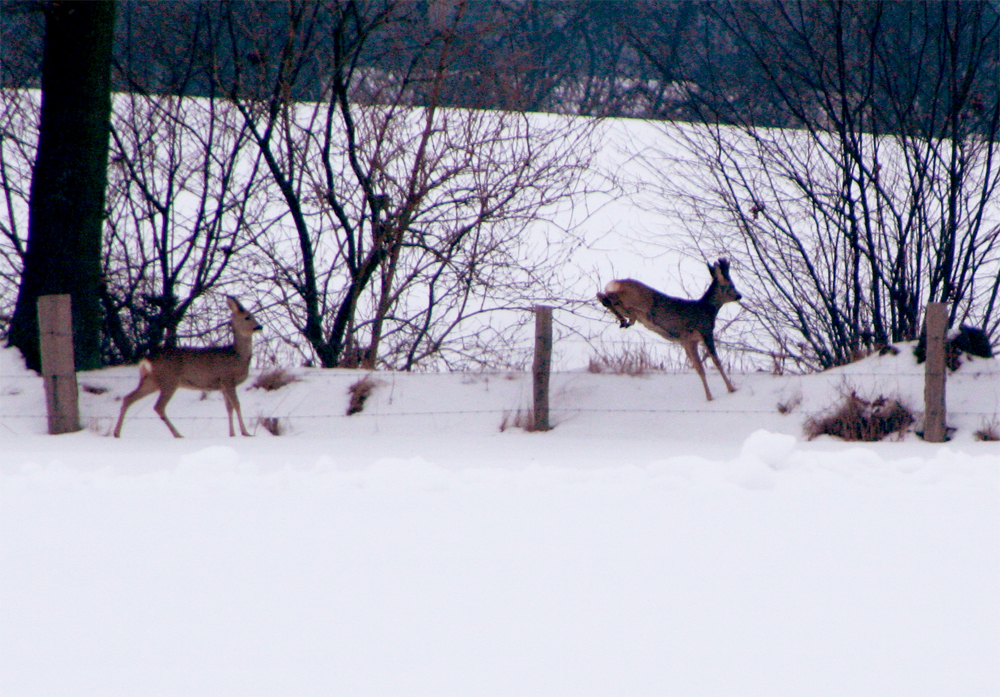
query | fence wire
(97,384)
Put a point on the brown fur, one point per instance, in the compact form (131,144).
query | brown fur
(686,322)
(200,368)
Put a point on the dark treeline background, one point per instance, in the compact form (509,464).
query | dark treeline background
(658,59)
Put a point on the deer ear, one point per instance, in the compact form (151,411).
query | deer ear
(234,306)
(724,266)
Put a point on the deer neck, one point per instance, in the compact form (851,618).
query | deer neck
(711,300)
(244,346)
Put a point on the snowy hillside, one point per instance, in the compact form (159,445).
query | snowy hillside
(651,544)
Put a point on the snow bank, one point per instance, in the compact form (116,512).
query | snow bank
(651,544)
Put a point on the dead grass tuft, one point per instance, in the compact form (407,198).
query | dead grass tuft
(990,430)
(273,379)
(789,405)
(519,418)
(360,392)
(626,361)
(93,389)
(858,419)
(272,425)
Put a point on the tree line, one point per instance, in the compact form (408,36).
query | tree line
(658,59)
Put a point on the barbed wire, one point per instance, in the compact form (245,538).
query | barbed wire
(556,410)
(579,371)
(89,383)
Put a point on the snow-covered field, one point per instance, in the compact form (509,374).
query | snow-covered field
(651,544)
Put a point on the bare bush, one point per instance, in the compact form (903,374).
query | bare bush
(989,430)
(857,419)
(400,228)
(877,195)
(272,425)
(184,199)
(519,418)
(19,124)
(359,392)
(790,404)
(274,379)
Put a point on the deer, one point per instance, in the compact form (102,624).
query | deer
(676,319)
(207,368)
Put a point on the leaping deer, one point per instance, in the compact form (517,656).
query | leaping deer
(205,368)
(683,321)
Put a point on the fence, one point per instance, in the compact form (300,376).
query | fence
(544,410)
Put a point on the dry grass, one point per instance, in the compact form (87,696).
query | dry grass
(93,389)
(989,431)
(858,419)
(274,379)
(272,425)
(520,418)
(360,392)
(625,361)
(791,404)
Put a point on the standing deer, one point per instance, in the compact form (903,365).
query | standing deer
(684,321)
(205,368)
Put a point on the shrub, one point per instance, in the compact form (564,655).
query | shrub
(990,431)
(520,418)
(790,405)
(360,392)
(272,425)
(859,419)
(273,379)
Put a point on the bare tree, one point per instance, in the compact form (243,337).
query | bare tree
(19,116)
(185,198)
(68,178)
(400,223)
(877,192)
(23,29)
(184,191)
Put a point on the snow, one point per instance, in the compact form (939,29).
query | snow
(650,544)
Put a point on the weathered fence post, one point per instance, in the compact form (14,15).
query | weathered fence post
(542,365)
(936,322)
(55,333)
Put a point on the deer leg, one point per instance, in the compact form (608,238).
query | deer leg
(691,348)
(233,402)
(718,364)
(160,407)
(229,411)
(613,305)
(710,345)
(146,386)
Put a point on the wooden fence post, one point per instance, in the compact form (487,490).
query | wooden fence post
(542,366)
(936,323)
(55,333)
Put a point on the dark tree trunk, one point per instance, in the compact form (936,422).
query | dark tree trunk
(66,212)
